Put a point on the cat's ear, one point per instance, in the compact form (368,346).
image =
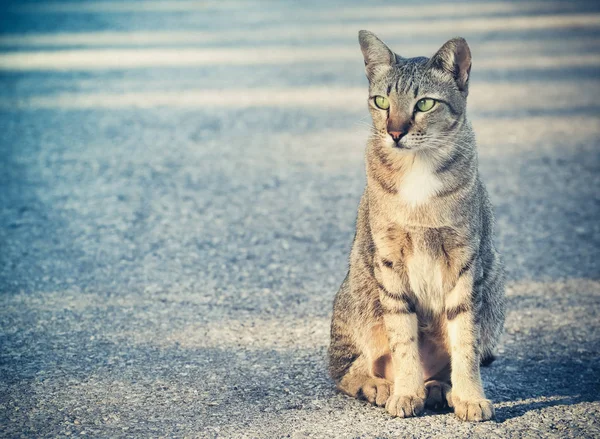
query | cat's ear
(375,52)
(454,58)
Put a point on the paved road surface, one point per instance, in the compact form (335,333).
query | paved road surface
(179,183)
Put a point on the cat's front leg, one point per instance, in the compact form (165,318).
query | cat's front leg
(468,397)
(400,318)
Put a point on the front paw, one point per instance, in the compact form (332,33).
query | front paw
(404,406)
(474,411)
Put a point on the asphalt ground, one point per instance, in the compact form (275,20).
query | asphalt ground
(178,189)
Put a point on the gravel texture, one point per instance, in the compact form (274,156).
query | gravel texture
(178,188)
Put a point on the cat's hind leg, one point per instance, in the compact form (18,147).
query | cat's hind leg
(359,383)
(438,390)
(362,374)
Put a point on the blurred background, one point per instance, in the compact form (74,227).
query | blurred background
(178,189)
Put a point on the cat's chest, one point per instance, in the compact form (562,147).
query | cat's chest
(420,254)
(425,270)
(418,183)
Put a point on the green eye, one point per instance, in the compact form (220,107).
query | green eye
(425,104)
(382,102)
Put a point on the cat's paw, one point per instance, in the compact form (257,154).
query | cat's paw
(376,391)
(404,406)
(437,395)
(474,410)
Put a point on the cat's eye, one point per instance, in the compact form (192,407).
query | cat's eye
(425,104)
(382,102)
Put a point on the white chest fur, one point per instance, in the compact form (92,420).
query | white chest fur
(418,183)
(425,278)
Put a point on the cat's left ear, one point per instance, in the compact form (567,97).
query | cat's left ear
(454,58)
(375,53)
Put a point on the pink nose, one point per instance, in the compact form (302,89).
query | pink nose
(396,135)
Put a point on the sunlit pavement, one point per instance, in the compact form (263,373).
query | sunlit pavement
(178,188)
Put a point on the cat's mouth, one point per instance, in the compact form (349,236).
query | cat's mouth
(401,147)
(396,145)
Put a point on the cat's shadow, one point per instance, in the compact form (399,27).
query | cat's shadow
(517,410)
(518,386)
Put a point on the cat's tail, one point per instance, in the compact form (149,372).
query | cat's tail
(343,352)
(487,359)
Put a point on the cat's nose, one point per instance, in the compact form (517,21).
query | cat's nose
(396,135)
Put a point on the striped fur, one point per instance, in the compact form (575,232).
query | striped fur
(423,302)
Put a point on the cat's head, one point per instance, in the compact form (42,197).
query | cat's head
(416,103)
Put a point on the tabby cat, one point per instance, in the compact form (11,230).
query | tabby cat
(422,305)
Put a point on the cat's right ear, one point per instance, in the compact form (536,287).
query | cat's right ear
(375,52)
(454,59)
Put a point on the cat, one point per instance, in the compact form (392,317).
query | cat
(422,305)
